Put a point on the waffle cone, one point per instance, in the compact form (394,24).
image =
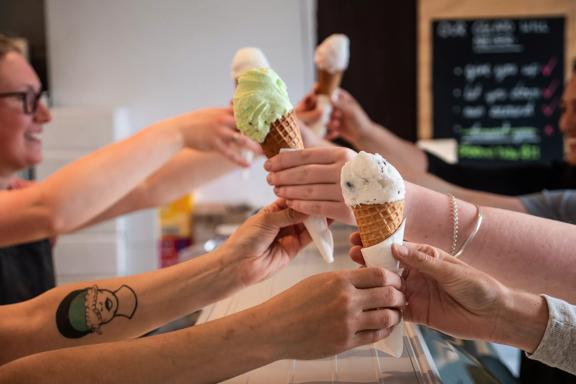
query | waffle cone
(328,82)
(284,133)
(376,222)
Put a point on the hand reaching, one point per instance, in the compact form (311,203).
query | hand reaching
(309,181)
(444,292)
(215,130)
(265,243)
(331,312)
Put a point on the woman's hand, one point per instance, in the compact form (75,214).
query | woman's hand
(332,312)
(214,129)
(309,181)
(265,243)
(307,110)
(348,119)
(447,294)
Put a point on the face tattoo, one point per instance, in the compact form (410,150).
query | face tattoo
(84,311)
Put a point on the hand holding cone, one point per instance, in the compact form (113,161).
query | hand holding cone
(375,191)
(264,113)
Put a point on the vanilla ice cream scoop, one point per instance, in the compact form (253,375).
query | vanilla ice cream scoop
(369,179)
(333,54)
(248,58)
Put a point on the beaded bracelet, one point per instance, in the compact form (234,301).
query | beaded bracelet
(455,223)
(456,227)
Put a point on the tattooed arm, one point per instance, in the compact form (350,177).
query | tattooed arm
(120,308)
(323,315)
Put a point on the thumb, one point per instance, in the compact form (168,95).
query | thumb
(282,218)
(426,259)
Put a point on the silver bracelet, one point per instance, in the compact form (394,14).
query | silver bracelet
(472,234)
(455,222)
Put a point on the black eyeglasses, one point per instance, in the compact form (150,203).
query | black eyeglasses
(29,99)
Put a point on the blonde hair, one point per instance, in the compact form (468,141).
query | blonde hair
(7,46)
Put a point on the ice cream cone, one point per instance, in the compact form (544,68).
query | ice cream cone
(328,82)
(260,98)
(377,222)
(284,133)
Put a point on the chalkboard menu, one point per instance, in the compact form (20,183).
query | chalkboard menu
(497,85)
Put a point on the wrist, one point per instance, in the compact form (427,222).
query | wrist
(522,321)
(218,278)
(229,267)
(170,131)
(267,332)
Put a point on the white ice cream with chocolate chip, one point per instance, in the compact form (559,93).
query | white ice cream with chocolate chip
(370,179)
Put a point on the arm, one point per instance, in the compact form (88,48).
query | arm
(120,308)
(144,302)
(430,181)
(81,190)
(186,171)
(351,122)
(527,252)
(323,315)
(555,205)
(447,294)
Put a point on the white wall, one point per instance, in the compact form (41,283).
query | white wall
(160,58)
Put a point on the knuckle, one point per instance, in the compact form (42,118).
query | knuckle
(381,333)
(302,174)
(291,214)
(386,319)
(380,276)
(428,250)
(386,294)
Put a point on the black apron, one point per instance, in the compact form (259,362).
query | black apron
(26,270)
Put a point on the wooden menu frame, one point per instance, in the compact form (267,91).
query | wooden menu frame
(429,10)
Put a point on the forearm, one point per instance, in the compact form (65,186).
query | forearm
(188,170)
(522,251)
(79,314)
(206,353)
(402,154)
(477,197)
(84,188)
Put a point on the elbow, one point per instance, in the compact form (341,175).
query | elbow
(55,224)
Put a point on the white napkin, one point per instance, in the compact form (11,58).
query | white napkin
(248,156)
(317,227)
(320,126)
(380,255)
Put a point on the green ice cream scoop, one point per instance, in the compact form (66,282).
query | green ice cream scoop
(260,99)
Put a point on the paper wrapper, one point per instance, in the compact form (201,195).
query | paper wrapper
(317,227)
(320,126)
(248,156)
(380,255)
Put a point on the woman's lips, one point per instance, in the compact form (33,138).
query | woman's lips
(33,136)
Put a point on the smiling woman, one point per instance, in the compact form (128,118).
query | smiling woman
(148,169)
(21,118)
(21,113)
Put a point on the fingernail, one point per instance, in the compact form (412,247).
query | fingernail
(269,179)
(400,249)
(267,165)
